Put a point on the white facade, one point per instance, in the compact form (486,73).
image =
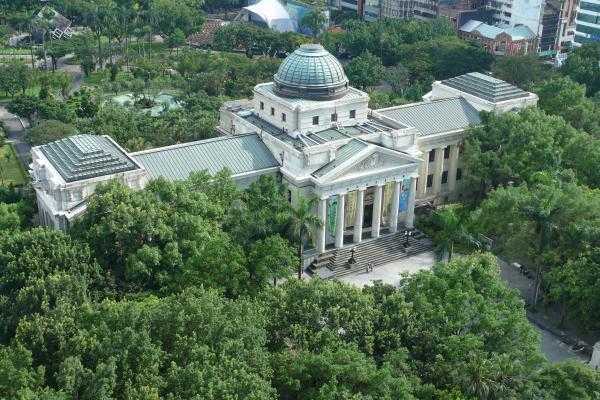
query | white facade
(368,169)
(60,201)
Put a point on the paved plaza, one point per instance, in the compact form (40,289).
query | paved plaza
(390,273)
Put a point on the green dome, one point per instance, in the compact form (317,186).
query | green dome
(311,72)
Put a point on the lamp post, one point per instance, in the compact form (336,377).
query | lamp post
(407,234)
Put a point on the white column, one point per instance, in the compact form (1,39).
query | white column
(410,212)
(358,219)
(376,225)
(438,170)
(395,206)
(454,150)
(322,214)
(339,226)
(423,172)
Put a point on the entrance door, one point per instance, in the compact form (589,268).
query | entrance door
(368,216)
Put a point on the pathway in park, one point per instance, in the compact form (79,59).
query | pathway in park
(16,135)
(552,346)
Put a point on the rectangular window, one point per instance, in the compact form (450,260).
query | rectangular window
(587,29)
(333,117)
(262,105)
(315,120)
(458,174)
(584,5)
(352,114)
(444,177)
(592,19)
(431,155)
(447,152)
(429,180)
(272,111)
(283,117)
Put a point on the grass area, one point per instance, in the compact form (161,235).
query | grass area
(32,91)
(10,168)
(12,51)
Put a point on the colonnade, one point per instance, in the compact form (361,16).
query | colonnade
(357,234)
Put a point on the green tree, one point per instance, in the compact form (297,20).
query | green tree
(513,147)
(398,77)
(570,380)
(449,229)
(176,39)
(522,71)
(302,222)
(39,270)
(365,70)
(270,259)
(582,67)
(463,328)
(314,21)
(565,98)
(48,131)
(15,76)
(337,373)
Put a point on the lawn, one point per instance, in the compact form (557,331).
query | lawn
(10,168)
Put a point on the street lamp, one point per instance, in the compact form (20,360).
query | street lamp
(407,234)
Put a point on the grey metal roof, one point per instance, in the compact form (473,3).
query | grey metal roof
(311,65)
(436,116)
(239,154)
(316,138)
(311,71)
(82,157)
(342,154)
(485,87)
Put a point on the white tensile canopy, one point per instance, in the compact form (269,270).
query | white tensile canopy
(274,14)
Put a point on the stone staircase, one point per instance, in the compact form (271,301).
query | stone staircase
(391,247)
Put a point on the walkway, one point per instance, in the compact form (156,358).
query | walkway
(551,344)
(16,136)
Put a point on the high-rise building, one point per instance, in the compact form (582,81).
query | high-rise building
(399,9)
(566,25)
(587,23)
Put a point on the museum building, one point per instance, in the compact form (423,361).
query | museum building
(368,169)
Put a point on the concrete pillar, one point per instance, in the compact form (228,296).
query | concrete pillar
(359,216)
(410,212)
(322,214)
(423,172)
(395,206)
(438,170)
(376,225)
(452,166)
(339,226)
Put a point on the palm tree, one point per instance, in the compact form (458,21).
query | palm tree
(450,229)
(302,222)
(542,215)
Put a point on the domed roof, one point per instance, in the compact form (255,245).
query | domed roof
(311,72)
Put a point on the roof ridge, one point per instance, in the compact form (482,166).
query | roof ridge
(193,143)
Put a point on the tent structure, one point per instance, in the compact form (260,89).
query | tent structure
(272,13)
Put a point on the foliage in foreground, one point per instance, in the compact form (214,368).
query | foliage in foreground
(454,332)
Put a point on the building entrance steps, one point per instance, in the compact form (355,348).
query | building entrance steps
(350,259)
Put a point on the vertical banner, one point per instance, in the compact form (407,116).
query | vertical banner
(404,195)
(332,214)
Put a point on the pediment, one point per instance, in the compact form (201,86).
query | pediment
(372,160)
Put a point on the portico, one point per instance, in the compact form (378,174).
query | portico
(371,191)
(353,223)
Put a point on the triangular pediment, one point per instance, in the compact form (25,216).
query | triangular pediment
(368,160)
